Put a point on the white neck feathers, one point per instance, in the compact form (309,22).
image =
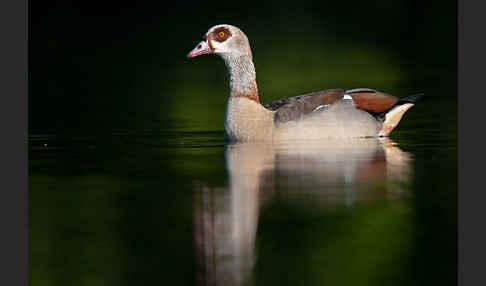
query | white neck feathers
(242,76)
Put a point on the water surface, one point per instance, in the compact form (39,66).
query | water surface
(184,208)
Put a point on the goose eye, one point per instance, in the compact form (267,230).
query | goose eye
(221,34)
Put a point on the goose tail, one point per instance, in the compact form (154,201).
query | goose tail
(392,116)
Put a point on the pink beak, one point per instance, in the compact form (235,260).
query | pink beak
(201,49)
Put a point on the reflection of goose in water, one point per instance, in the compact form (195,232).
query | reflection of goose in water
(226,218)
(339,173)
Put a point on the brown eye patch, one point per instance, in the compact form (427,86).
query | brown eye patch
(221,34)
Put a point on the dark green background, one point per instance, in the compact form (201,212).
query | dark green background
(101,66)
(121,125)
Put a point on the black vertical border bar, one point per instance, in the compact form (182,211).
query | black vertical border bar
(471,133)
(13,126)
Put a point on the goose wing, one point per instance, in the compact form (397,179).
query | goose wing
(287,109)
(370,100)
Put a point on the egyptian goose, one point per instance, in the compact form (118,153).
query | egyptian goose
(332,113)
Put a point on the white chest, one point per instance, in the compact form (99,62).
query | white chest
(247,120)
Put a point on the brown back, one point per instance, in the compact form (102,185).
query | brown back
(292,108)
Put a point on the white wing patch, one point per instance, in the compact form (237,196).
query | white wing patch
(320,107)
(346,96)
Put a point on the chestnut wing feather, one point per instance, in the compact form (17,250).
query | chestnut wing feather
(288,109)
(371,100)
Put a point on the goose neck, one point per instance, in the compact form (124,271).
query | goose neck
(242,76)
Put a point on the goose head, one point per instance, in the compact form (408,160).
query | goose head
(223,40)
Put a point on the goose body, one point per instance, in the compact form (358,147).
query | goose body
(332,113)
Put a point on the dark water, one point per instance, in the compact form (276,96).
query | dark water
(183,208)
